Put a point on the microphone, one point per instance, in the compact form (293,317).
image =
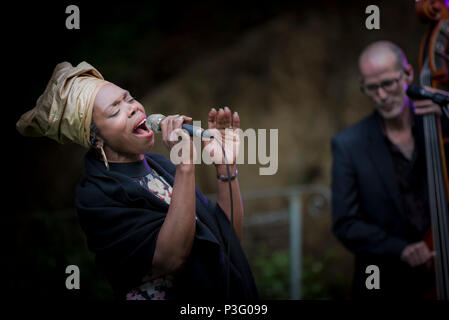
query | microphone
(154,123)
(420,93)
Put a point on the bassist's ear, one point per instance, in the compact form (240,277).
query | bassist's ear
(408,70)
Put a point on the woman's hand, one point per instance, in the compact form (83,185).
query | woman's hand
(177,141)
(428,106)
(225,127)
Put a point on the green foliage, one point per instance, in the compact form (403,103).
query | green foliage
(272,275)
(313,282)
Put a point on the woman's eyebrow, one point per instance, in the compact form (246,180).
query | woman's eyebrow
(126,93)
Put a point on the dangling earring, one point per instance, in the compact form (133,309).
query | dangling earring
(105,160)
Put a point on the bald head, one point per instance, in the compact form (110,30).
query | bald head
(380,55)
(385,75)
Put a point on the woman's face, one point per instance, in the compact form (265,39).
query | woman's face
(120,120)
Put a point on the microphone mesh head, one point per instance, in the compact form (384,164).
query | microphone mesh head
(154,122)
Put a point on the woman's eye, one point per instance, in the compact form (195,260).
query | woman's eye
(131,100)
(115,113)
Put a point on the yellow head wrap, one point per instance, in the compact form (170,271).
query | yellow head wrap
(64,111)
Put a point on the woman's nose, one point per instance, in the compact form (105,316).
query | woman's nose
(132,109)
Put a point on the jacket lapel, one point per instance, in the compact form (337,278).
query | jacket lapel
(381,158)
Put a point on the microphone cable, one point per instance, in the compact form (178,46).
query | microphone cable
(228,253)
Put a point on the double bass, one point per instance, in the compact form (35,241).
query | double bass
(433,64)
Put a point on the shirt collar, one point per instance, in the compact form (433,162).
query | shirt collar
(130,169)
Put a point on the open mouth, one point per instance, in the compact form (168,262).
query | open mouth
(141,129)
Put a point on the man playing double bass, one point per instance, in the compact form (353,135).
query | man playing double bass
(379,181)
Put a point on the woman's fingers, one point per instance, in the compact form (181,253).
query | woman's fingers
(227,118)
(212,119)
(220,119)
(170,124)
(236,120)
(224,119)
(174,121)
(187,119)
(177,122)
(166,125)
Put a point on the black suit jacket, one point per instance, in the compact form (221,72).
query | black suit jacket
(368,216)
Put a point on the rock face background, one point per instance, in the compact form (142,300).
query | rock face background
(286,67)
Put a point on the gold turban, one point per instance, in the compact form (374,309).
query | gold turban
(64,111)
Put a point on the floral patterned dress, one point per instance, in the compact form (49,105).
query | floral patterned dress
(153,289)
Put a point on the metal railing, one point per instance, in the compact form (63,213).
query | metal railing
(319,196)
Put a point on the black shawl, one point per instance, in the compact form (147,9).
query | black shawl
(122,220)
